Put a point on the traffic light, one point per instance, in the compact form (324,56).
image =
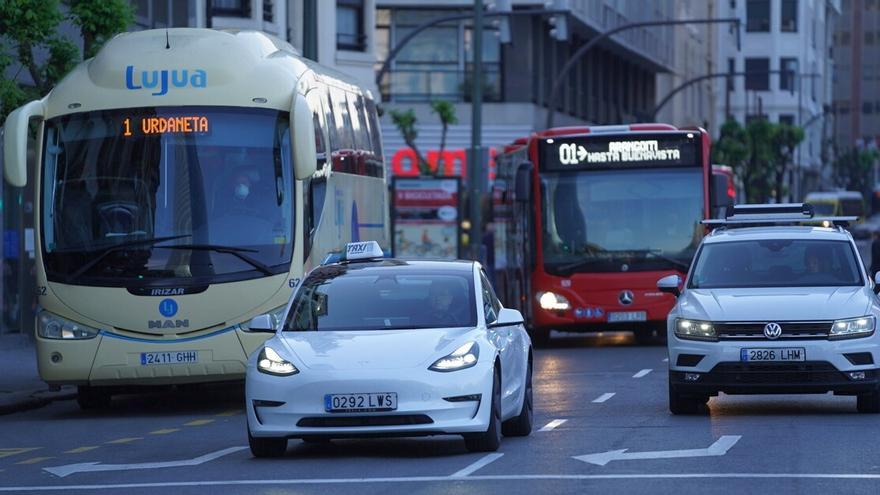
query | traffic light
(559,21)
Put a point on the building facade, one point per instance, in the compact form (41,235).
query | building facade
(857,79)
(783,73)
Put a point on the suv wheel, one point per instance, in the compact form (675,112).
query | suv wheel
(868,403)
(686,404)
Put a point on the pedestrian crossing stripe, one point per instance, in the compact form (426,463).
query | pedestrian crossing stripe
(11,452)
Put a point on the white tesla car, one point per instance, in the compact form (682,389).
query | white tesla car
(372,346)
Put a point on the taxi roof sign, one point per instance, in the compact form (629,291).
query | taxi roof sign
(366,250)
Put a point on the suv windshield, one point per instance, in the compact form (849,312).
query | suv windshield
(776,263)
(335,299)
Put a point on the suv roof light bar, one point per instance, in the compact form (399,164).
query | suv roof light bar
(774,214)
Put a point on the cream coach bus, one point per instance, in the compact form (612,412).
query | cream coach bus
(186,181)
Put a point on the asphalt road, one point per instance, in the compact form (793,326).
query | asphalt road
(594,395)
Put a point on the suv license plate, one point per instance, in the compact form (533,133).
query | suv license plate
(778,354)
(385,401)
(625,316)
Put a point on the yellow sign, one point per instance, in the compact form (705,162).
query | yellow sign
(167,125)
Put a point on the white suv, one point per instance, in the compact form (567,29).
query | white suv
(770,306)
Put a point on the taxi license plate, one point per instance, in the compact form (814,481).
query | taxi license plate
(625,316)
(172,357)
(375,402)
(779,354)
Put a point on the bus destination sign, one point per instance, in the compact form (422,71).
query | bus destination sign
(588,152)
(191,124)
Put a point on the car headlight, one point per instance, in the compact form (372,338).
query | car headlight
(552,301)
(694,329)
(461,358)
(50,326)
(852,328)
(271,363)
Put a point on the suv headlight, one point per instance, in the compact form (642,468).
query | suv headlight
(271,363)
(694,329)
(552,301)
(461,358)
(51,326)
(852,328)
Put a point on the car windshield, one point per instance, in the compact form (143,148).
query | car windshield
(776,263)
(180,194)
(391,300)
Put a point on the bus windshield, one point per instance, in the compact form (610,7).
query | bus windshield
(621,220)
(187,194)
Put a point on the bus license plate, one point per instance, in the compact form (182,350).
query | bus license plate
(385,401)
(779,354)
(625,316)
(172,357)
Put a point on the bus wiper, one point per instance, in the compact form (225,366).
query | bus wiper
(681,264)
(567,269)
(238,252)
(116,247)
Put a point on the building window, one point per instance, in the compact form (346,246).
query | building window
(844,38)
(786,119)
(867,107)
(231,8)
(758,16)
(788,72)
(757,74)
(869,37)
(789,16)
(350,25)
(268,11)
(731,79)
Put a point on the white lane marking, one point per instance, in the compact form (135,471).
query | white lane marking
(485,461)
(642,373)
(602,398)
(85,467)
(553,424)
(719,448)
(429,479)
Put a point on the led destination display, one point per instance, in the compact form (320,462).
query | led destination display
(600,152)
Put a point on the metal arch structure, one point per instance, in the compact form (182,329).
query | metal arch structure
(569,65)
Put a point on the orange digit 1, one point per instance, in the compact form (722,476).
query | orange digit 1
(127,128)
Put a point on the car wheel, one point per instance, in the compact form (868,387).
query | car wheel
(490,440)
(266,447)
(89,397)
(686,404)
(868,403)
(521,426)
(540,336)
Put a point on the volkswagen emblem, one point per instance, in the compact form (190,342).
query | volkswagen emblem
(625,297)
(772,331)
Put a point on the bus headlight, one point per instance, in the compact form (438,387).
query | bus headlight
(852,328)
(694,329)
(552,301)
(51,326)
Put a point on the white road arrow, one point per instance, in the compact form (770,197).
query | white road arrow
(720,447)
(90,467)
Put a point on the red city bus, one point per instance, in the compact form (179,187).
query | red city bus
(587,219)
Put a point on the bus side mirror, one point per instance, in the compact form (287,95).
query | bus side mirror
(15,140)
(669,284)
(522,187)
(720,199)
(302,138)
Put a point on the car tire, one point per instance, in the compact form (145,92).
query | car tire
(686,404)
(91,398)
(266,447)
(490,440)
(868,403)
(521,425)
(540,336)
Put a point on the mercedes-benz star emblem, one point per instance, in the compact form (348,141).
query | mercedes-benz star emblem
(772,331)
(625,297)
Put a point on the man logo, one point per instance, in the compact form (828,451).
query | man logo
(626,297)
(772,331)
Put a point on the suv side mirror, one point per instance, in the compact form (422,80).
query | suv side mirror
(262,324)
(669,284)
(507,317)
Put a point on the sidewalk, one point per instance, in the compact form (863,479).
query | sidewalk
(20,384)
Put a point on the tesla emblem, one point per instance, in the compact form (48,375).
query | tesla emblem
(626,297)
(772,331)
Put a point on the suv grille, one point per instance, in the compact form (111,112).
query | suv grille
(754,330)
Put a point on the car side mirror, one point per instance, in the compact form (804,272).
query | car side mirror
(507,317)
(877,283)
(262,324)
(670,285)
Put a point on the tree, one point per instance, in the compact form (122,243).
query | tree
(785,139)
(852,169)
(31,28)
(405,121)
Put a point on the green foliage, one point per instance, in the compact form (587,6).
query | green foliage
(32,26)
(445,111)
(852,169)
(406,120)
